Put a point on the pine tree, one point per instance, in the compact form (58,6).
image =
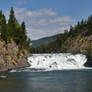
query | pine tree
(0,20)
(13,31)
(23,29)
(24,40)
(12,23)
(4,31)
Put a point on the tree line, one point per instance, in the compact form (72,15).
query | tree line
(60,45)
(13,30)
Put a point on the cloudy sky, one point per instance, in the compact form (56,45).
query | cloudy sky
(47,17)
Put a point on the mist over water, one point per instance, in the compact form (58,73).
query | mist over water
(57,61)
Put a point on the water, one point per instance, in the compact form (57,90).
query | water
(50,73)
(52,81)
(57,61)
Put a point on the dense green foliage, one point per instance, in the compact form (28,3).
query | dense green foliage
(64,41)
(13,31)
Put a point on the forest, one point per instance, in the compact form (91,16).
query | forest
(13,30)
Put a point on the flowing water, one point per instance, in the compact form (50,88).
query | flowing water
(57,61)
(51,81)
(50,73)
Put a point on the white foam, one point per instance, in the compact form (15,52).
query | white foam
(57,61)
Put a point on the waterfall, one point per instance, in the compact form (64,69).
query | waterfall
(57,61)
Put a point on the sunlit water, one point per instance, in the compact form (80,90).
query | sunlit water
(53,81)
(57,61)
(50,73)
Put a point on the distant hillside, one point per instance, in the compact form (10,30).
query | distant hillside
(77,40)
(44,41)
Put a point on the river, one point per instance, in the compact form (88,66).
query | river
(51,81)
(50,73)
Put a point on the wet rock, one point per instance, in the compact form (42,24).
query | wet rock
(89,62)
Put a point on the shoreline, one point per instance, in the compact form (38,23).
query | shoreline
(4,70)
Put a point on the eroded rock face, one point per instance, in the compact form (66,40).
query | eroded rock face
(11,57)
(79,44)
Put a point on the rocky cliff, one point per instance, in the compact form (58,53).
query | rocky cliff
(79,44)
(12,57)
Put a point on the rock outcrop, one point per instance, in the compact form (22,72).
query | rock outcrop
(79,44)
(12,57)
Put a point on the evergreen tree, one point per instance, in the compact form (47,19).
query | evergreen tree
(0,20)
(23,29)
(12,23)
(64,41)
(4,31)
(23,39)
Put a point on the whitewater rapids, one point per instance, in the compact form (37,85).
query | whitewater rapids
(57,61)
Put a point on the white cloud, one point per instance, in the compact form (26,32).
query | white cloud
(38,13)
(43,22)
(35,33)
(62,20)
(35,18)
(41,12)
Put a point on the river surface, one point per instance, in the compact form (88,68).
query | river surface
(52,81)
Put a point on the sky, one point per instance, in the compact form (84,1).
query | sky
(47,17)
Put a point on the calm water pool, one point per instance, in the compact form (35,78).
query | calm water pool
(54,81)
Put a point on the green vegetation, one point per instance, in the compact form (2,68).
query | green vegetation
(44,41)
(13,31)
(51,47)
(78,37)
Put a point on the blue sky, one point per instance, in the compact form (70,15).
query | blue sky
(48,17)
